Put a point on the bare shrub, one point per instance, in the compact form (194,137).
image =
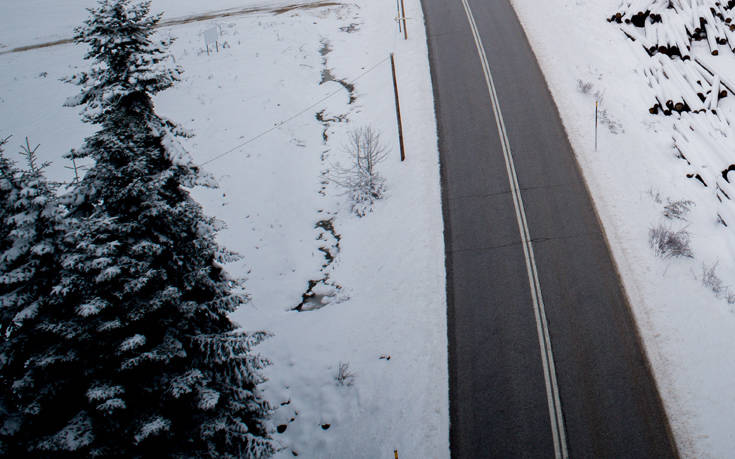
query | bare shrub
(655,195)
(711,280)
(585,87)
(344,376)
(678,210)
(667,242)
(361,180)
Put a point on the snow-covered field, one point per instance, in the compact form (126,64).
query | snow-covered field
(32,22)
(688,330)
(304,77)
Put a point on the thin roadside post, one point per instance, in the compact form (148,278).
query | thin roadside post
(398,16)
(398,106)
(596,125)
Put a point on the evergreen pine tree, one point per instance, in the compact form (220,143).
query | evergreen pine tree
(8,191)
(34,224)
(8,195)
(136,355)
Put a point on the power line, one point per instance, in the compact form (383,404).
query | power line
(281,123)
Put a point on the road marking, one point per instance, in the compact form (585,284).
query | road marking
(547,357)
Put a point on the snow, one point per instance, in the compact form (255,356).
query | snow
(76,435)
(102,393)
(268,132)
(154,426)
(133,342)
(687,328)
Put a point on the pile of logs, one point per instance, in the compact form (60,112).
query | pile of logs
(704,141)
(683,86)
(689,84)
(670,26)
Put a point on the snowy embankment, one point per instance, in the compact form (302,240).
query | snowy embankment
(649,173)
(313,73)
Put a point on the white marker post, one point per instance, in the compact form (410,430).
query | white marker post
(211,36)
(398,16)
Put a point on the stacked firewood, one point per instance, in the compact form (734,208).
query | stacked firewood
(683,86)
(670,26)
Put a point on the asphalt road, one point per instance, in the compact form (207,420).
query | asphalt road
(498,398)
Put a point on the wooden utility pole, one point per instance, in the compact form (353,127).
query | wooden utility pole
(403,16)
(398,105)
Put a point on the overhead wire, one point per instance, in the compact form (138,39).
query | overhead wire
(291,118)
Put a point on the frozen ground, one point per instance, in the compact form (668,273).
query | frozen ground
(381,277)
(688,330)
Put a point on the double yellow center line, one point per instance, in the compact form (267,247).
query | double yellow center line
(547,357)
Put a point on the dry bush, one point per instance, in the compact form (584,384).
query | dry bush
(585,87)
(344,376)
(678,210)
(667,242)
(361,180)
(712,281)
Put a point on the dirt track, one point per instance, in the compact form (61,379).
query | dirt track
(198,18)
